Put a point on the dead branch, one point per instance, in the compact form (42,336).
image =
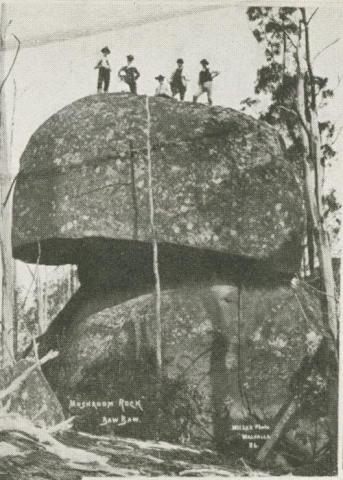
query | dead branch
(29,270)
(39,413)
(312,15)
(62,426)
(299,116)
(316,289)
(325,48)
(249,470)
(206,471)
(19,380)
(277,432)
(13,114)
(74,457)
(12,64)
(281,25)
(9,191)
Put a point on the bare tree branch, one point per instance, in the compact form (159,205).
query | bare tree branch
(314,288)
(313,14)
(10,191)
(277,432)
(62,427)
(284,30)
(13,114)
(19,380)
(298,115)
(325,48)
(74,458)
(13,62)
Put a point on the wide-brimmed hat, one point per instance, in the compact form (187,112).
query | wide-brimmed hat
(105,50)
(130,57)
(179,60)
(160,77)
(204,62)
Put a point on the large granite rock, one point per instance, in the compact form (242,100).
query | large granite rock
(227,362)
(220,180)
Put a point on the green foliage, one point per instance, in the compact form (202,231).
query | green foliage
(268,78)
(255,13)
(277,30)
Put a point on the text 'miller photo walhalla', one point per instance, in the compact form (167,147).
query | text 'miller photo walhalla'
(171,189)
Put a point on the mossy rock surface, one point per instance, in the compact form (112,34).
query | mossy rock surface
(220,181)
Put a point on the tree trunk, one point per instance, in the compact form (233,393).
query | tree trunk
(313,174)
(277,432)
(229,398)
(42,299)
(315,184)
(6,260)
(155,251)
(310,244)
(15,315)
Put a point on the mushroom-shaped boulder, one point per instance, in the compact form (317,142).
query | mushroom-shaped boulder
(220,180)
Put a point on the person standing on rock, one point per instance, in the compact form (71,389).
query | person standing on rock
(205,81)
(131,74)
(104,71)
(162,90)
(178,81)
(122,85)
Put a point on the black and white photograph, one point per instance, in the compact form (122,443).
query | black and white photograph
(171,182)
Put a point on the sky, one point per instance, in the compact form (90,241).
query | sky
(61,43)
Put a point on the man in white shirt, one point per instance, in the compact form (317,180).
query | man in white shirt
(131,74)
(162,90)
(123,87)
(104,69)
(205,81)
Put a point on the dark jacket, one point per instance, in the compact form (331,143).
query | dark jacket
(177,78)
(132,74)
(205,76)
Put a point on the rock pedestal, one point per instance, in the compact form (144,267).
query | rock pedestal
(220,365)
(228,210)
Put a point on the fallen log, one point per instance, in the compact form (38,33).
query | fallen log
(30,452)
(75,458)
(17,382)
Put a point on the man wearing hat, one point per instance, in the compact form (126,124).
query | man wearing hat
(131,74)
(178,81)
(162,90)
(104,69)
(205,81)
